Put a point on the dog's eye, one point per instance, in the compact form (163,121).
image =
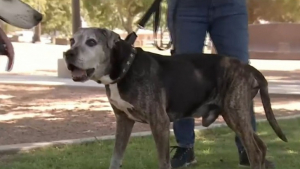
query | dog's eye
(91,42)
(72,41)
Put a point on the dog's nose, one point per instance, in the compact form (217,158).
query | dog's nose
(71,53)
(38,17)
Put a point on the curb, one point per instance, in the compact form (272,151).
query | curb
(25,147)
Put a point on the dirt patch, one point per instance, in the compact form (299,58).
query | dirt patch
(40,113)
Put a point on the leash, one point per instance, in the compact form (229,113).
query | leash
(155,9)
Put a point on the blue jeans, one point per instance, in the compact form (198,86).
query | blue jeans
(226,21)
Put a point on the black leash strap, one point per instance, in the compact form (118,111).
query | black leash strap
(130,38)
(155,29)
(141,24)
(155,8)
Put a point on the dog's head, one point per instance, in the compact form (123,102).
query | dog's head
(96,54)
(19,14)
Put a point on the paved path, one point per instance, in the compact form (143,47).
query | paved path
(274,87)
(31,57)
(44,80)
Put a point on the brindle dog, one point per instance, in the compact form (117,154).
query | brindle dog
(149,88)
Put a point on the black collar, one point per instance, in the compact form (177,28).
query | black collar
(125,66)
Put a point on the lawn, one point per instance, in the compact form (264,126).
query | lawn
(215,149)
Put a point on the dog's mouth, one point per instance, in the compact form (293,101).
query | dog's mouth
(80,75)
(6,48)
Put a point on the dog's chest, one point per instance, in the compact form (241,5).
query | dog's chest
(116,100)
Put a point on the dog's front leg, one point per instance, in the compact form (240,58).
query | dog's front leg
(160,124)
(123,131)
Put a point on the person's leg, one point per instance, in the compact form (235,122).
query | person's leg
(188,34)
(229,32)
(228,28)
(188,24)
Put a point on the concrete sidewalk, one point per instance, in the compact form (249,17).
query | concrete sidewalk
(44,80)
(291,87)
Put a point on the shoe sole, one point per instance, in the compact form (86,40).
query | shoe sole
(243,166)
(187,164)
(246,166)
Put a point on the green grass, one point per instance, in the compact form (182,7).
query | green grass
(214,148)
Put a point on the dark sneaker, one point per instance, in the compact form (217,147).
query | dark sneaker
(244,161)
(183,157)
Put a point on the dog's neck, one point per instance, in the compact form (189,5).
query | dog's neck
(122,58)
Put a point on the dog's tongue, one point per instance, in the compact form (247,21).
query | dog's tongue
(7,50)
(78,73)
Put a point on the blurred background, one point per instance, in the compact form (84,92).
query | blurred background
(122,15)
(273,31)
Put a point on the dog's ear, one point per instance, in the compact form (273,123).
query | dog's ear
(111,37)
(120,54)
(121,50)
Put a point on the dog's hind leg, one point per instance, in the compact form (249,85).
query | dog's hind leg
(123,131)
(268,164)
(242,127)
(237,116)
(160,127)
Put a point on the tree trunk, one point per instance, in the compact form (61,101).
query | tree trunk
(37,34)
(128,25)
(161,36)
(76,17)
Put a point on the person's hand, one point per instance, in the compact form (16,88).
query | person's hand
(6,48)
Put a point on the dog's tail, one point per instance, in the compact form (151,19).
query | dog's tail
(265,98)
